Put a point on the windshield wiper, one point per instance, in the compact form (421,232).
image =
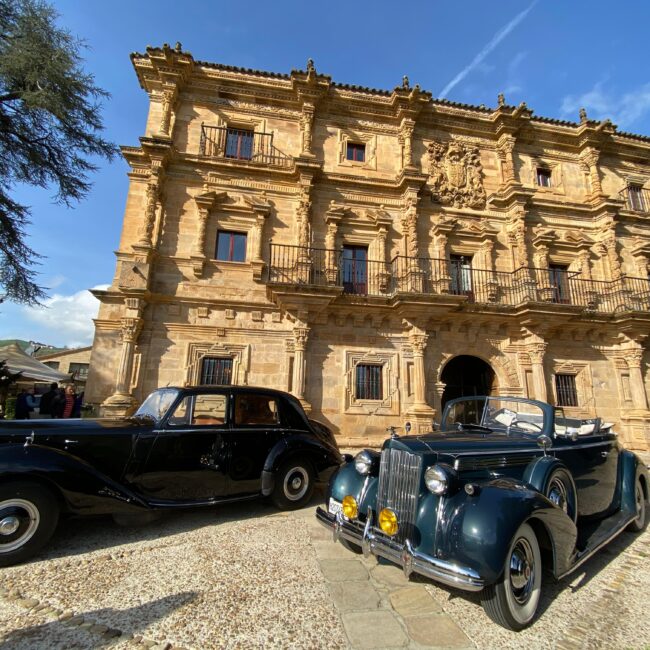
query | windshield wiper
(472,425)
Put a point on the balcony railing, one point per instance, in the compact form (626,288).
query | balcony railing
(636,198)
(313,267)
(241,144)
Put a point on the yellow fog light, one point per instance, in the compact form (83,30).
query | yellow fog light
(388,521)
(350,507)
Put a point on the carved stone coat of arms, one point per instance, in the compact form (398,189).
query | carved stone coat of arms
(456,174)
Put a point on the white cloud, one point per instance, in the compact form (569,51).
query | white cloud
(68,318)
(624,110)
(478,59)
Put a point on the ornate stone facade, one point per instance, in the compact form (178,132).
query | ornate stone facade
(354,246)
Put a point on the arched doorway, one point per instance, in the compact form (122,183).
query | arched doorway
(465,376)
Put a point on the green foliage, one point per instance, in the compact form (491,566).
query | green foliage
(10,408)
(49,126)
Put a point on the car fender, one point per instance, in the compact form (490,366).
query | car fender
(538,474)
(82,488)
(348,482)
(476,531)
(319,455)
(631,470)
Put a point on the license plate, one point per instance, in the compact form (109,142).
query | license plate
(335,506)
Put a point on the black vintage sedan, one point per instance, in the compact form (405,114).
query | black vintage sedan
(509,488)
(183,447)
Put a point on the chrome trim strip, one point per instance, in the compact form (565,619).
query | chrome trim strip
(405,556)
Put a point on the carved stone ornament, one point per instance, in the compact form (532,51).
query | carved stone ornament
(456,174)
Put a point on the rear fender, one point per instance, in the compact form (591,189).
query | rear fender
(81,487)
(476,531)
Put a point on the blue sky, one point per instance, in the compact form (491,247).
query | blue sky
(556,56)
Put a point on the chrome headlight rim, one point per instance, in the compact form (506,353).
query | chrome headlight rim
(363,462)
(438,479)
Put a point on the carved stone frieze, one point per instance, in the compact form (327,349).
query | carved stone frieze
(456,174)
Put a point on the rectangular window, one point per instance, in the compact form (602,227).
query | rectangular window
(565,389)
(79,370)
(461,275)
(231,246)
(558,276)
(356,152)
(635,198)
(354,267)
(216,371)
(239,144)
(52,364)
(369,382)
(255,409)
(543,177)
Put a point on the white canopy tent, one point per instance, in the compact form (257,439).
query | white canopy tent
(31,368)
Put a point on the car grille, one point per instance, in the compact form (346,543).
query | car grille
(399,480)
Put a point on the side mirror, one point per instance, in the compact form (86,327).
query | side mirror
(544,442)
(407,427)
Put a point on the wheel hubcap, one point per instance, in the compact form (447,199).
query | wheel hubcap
(557,494)
(19,520)
(522,571)
(296,483)
(639,502)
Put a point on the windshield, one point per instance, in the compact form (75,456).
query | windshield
(157,404)
(495,414)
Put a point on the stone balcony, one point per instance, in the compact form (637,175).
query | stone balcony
(316,271)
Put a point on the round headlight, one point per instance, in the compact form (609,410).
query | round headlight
(388,522)
(350,507)
(436,479)
(363,462)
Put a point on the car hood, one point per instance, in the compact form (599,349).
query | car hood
(453,443)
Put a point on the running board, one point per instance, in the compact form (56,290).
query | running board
(606,531)
(169,505)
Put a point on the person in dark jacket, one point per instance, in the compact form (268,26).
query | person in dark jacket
(22,408)
(47,400)
(58,403)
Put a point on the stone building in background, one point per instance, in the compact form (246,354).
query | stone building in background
(376,252)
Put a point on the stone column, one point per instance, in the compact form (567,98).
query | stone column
(541,261)
(300,336)
(406,136)
(634,358)
(168,98)
(490,284)
(306,124)
(304,262)
(414,279)
(420,413)
(153,191)
(536,353)
(331,261)
(505,148)
(590,158)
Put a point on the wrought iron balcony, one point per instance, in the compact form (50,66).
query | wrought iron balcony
(636,198)
(313,267)
(241,144)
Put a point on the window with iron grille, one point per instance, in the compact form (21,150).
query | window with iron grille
(635,197)
(543,177)
(369,381)
(356,152)
(231,246)
(565,390)
(239,144)
(80,370)
(216,370)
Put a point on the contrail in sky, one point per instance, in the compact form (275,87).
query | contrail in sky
(496,39)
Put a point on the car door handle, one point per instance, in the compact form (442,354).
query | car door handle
(604,454)
(71,442)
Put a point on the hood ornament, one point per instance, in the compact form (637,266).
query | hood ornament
(29,440)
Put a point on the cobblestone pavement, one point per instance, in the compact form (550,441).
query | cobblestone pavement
(245,576)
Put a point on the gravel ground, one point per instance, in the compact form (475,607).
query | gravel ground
(245,576)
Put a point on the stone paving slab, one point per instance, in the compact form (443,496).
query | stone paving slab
(245,576)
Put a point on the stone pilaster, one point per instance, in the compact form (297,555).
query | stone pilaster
(153,195)
(537,352)
(300,336)
(420,413)
(505,148)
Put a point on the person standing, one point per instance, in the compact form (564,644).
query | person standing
(69,402)
(22,408)
(58,403)
(47,401)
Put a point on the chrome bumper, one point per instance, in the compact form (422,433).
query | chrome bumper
(405,556)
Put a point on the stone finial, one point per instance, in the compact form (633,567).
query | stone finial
(501,99)
(310,65)
(178,47)
(405,82)
(583,115)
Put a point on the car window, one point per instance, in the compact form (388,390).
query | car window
(251,408)
(200,410)
(209,409)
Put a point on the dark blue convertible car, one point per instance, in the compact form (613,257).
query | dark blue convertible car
(509,488)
